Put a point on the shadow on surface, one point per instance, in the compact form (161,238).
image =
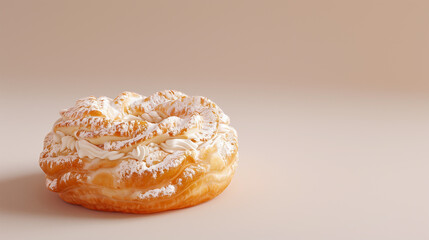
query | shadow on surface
(27,195)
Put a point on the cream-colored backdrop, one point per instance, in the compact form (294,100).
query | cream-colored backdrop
(330,100)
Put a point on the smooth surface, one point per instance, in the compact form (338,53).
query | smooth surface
(330,100)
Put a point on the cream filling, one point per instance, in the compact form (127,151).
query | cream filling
(83,147)
(172,145)
(87,149)
(68,142)
(140,152)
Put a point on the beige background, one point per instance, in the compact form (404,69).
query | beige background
(330,100)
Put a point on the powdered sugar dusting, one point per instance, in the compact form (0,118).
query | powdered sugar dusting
(188,173)
(65,177)
(130,167)
(158,192)
(51,184)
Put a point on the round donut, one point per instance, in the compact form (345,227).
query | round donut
(140,154)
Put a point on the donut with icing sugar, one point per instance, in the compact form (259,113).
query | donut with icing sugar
(140,154)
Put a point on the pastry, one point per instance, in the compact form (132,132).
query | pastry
(140,154)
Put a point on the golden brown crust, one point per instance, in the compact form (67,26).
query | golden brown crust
(200,190)
(140,155)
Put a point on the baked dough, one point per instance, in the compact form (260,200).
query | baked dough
(140,154)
